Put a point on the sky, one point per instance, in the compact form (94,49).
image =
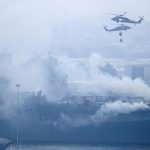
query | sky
(72,28)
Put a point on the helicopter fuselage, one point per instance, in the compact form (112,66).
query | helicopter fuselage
(119,28)
(122,19)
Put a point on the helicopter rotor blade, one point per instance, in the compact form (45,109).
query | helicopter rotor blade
(117,14)
(123,14)
(112,14)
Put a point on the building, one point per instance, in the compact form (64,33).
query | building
(138,71)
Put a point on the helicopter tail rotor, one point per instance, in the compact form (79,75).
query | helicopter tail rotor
(141,19)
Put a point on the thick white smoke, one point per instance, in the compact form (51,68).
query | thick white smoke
(42,74)
(60,77)
(105,112)
(112,109)
(86,78)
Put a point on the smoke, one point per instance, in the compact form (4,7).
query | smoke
(112,109)
(86,77)
(106,111)
(41,73)
(104,84)
(65,76)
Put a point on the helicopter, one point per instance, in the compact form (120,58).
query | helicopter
(119,28)
(122,19)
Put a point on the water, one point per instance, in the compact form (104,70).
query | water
(76,147)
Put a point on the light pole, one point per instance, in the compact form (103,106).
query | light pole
(17,86)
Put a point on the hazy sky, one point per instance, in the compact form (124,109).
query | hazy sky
(71,27)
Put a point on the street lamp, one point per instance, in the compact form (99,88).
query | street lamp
(17,86)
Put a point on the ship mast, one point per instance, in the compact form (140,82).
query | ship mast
(17,131)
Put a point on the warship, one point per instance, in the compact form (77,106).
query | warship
(73,120)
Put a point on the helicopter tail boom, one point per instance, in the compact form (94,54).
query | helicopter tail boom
(106,28)
(140,20)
